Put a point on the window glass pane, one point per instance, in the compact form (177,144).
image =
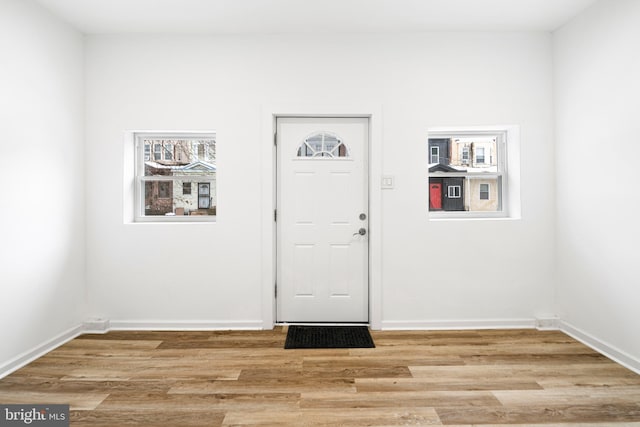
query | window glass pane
(435,155)
(168,151)
(187,159)
(180,177)
(485,194)
(167,198)
(322,144)
(453,191)
(470,154)
(466,175)
(484,191)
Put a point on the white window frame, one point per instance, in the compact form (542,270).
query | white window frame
(464,156)
(140,179)
(456,193)
(437,154)
(484,156)
(488,191)
(507,137)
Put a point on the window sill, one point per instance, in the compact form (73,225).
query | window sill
(172,219)
(475,216)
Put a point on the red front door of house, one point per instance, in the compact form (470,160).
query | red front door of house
(435,196)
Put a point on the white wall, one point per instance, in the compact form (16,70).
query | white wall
(445,270)
(42,174)
(597,94)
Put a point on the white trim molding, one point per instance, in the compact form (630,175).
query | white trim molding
(185,325)
(465,324)
(604,348)
(40,350)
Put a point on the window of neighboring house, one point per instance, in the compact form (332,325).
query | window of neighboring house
(168,151)
(465,155)
(186,188)
(453,191)
(435,155)
(484,191)
(164,191)
(464,187)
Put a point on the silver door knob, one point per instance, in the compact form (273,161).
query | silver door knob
(361,232)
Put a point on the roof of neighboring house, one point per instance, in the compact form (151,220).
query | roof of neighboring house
(439,167)
(198,166)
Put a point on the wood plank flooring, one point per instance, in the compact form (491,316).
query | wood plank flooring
(246,378)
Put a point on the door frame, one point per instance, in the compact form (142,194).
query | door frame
(366,177)
(270,114)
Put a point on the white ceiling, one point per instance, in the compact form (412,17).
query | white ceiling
(313,16)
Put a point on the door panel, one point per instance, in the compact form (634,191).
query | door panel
(322,273)
(435,196)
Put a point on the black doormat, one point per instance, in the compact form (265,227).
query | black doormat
(328,337)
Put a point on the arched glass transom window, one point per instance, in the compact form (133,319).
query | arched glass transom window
(323,144)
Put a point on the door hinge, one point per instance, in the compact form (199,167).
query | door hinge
(275,139)
(276,289)
(275,214)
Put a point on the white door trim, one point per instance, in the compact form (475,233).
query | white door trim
(268,200)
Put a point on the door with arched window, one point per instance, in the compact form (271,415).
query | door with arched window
(322,219)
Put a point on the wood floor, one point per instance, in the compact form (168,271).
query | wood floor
(513,377)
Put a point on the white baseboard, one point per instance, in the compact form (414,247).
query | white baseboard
(458,324)
(602,347)
(39,351)
(101,326)
(186,325)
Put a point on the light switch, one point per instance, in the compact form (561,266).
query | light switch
(387,182)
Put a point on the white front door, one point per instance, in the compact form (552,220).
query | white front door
(322,207)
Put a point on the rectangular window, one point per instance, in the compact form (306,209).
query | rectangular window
(453,191)
(168,151)
(484,191)
(465,155)
(473,183)
(435,155)
(164,189)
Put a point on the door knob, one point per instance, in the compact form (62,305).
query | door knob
(361,232)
